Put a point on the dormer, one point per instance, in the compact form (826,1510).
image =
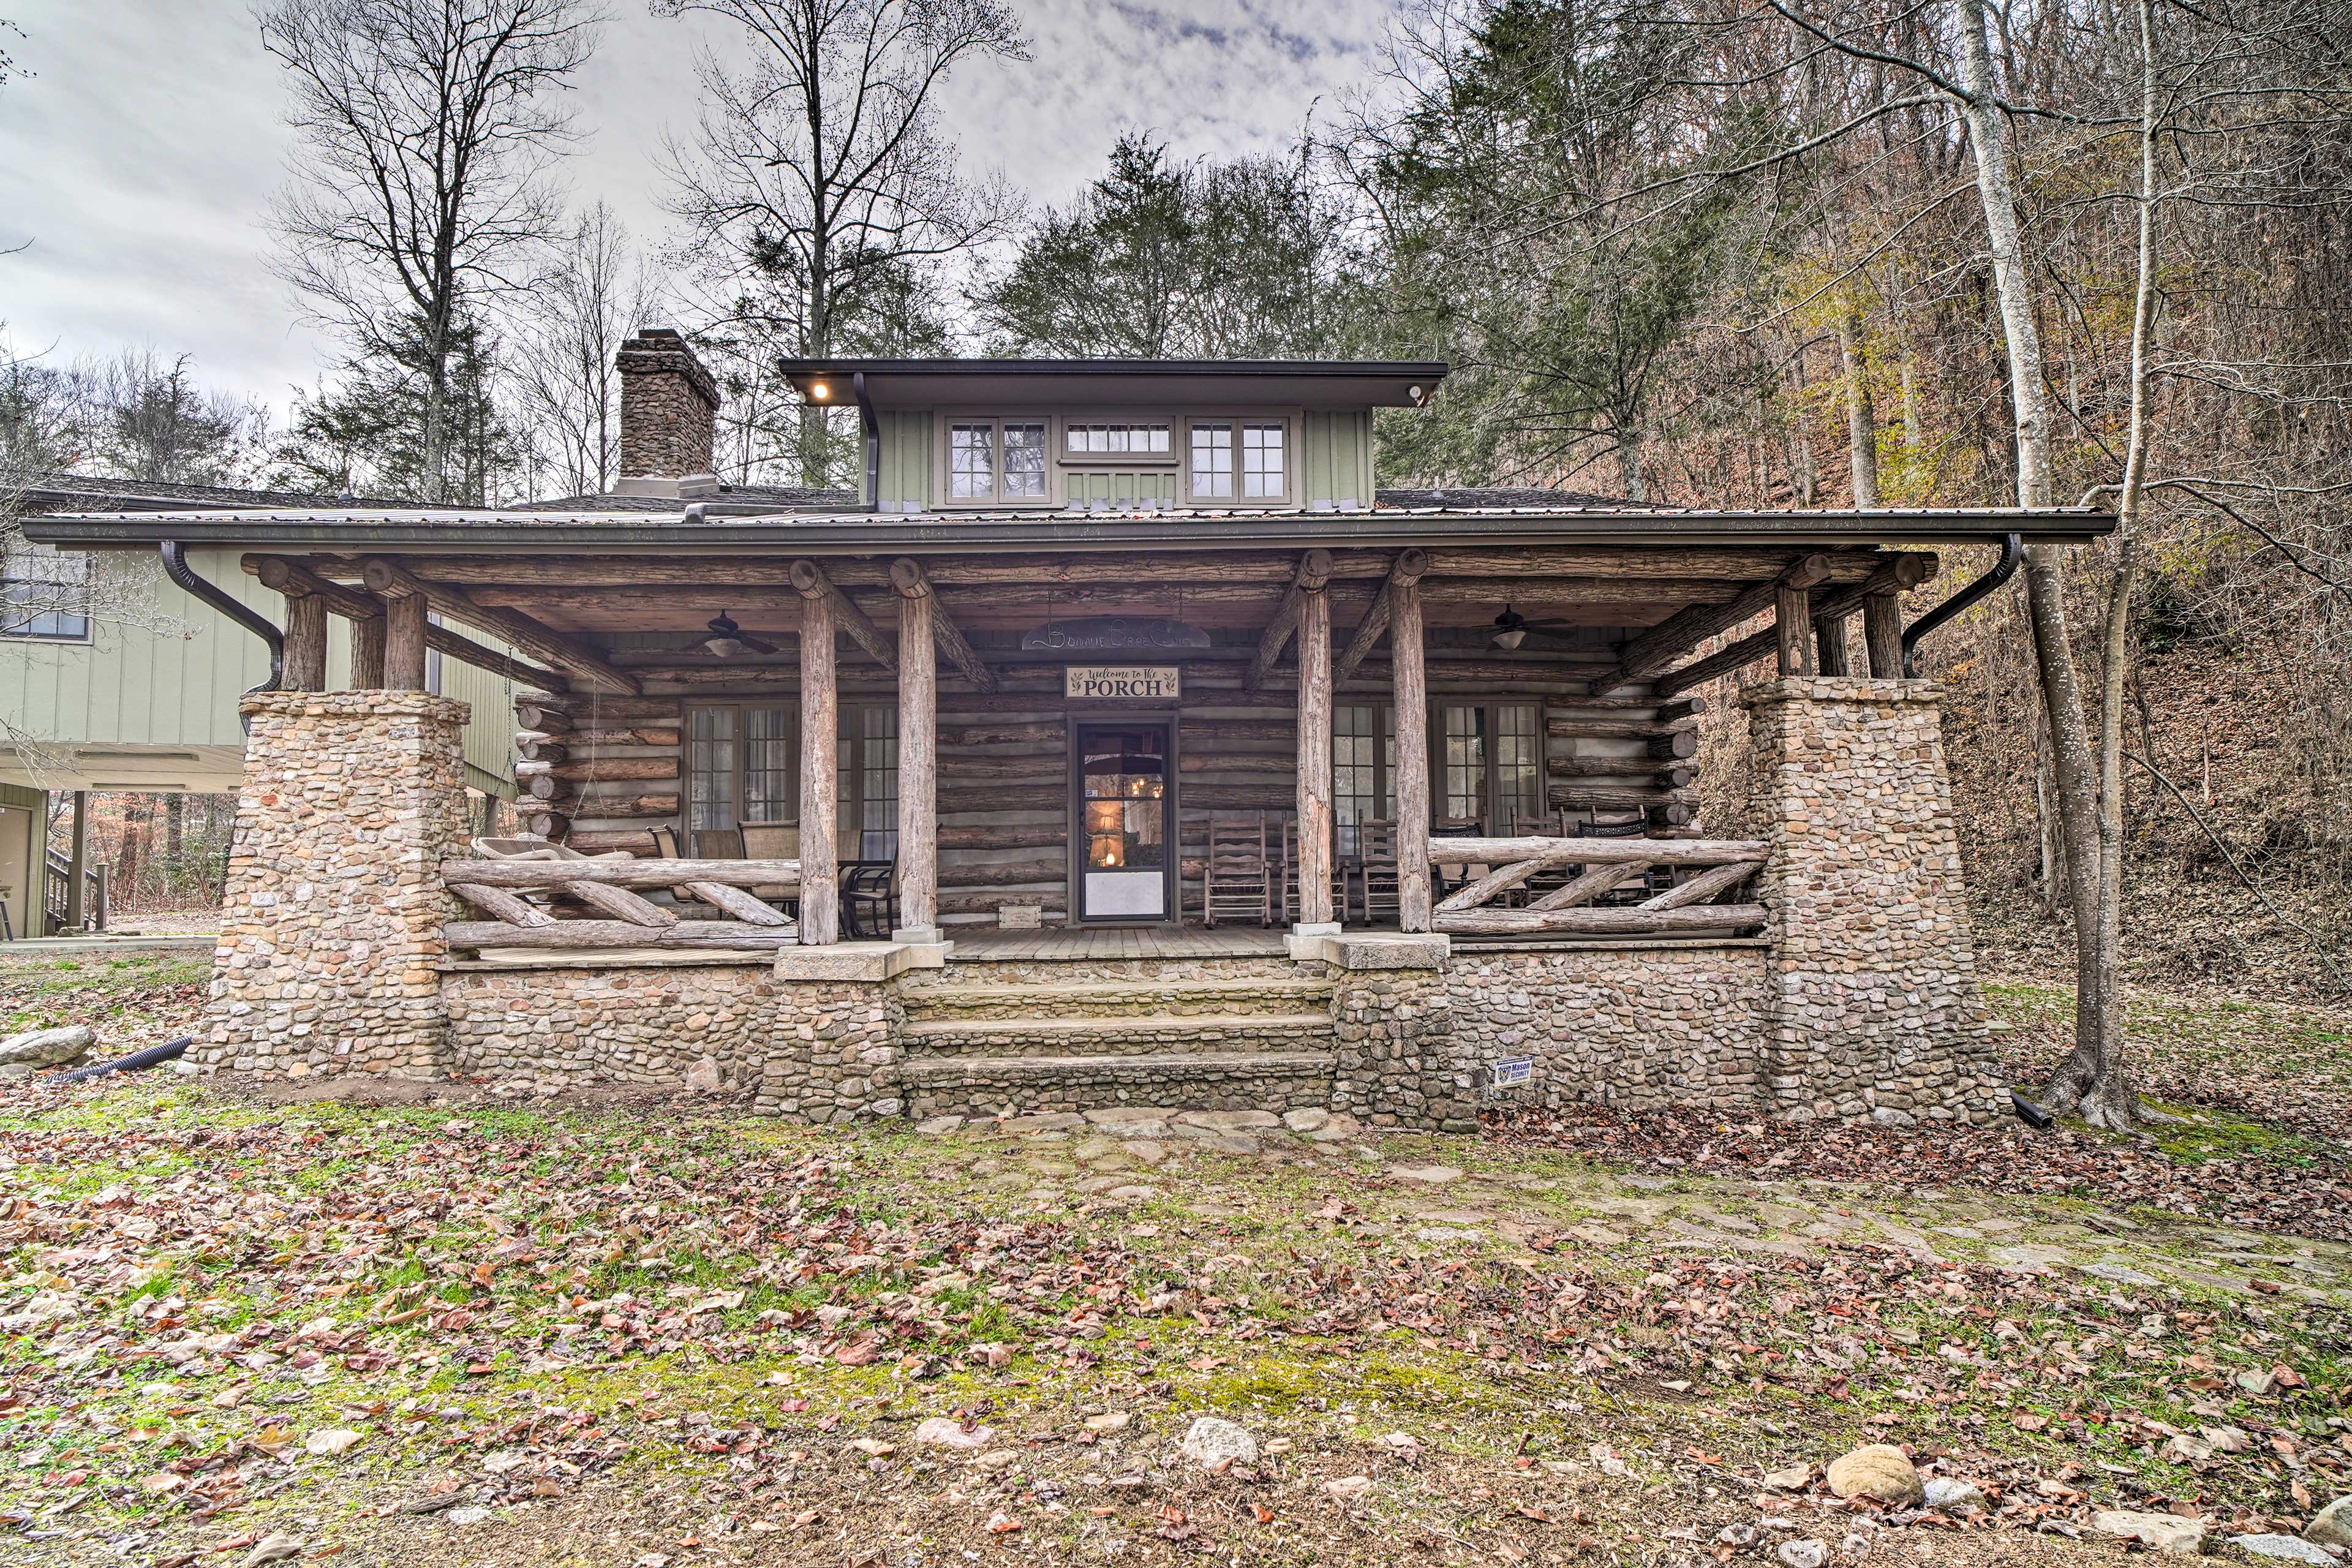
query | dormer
(960,436)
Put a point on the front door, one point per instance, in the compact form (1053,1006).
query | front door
(1122,852)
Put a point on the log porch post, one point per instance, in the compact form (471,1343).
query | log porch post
(1882,634)
(1315,759)
(1411,754)
(820,741)
(918,691)
(1793,628)
(305,667)
(367,653)
(404,642)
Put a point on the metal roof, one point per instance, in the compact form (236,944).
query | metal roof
(1157,382)
(867,533)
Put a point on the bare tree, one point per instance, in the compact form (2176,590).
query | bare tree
(428,130)
(593,294)
(818,176)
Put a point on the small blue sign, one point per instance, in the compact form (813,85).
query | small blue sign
(1518,1071)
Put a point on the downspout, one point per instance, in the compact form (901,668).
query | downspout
(2012,551)
(873,440)
(176,567)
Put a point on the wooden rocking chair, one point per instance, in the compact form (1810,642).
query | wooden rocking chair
(1237,884)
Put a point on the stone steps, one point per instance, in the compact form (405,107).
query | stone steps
(1140,996)
(1116,1035)
(1268,1080)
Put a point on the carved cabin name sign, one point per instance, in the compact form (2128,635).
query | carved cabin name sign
(1121,682)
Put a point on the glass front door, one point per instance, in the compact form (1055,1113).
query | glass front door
(1123,849)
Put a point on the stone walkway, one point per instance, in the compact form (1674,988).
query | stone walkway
(1453,1193)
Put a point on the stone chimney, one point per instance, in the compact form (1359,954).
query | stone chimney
(669,409)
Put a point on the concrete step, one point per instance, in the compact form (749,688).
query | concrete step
(1122,998)
(1222,1080)
(1116,1035)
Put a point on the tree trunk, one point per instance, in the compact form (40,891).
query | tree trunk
(2061,691)
(1861,418)
(2108,1097)
(1629,463)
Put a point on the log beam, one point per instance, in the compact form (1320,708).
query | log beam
(591,935)
(906,575)
(1314,570)
(393,580)
(1410,566)
(1603,922)
(810,581)
(1651,652)
(646,873)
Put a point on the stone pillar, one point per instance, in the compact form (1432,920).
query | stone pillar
(1873,1007)
(331,930)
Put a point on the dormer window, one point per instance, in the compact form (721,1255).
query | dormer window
(1239,459)
(1149,438)
(990,459)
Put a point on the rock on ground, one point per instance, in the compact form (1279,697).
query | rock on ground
(2165,1532)
(1878,1470)
(1211,1441)
(703,1077)
(947,1432)
(46,1047)
(2285,1548)
(1949,1496)
(2333,1524)
(1802,1554)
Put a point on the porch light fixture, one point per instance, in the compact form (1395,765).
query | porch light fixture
(1510,628)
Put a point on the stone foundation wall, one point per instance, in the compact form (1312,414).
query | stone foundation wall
(1643,1028)
(330,926)
(1874,1002)
(812,1051)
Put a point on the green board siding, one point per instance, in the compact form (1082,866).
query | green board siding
(1123,488)
(905,474)
(1336,458)
(165,670)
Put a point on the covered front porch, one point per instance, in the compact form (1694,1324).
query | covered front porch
(1488,742)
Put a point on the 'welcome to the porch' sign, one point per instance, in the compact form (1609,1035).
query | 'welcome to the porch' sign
(1113,682)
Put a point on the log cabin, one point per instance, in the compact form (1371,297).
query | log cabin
(1124,747)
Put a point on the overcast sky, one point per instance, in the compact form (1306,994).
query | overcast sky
(137,159)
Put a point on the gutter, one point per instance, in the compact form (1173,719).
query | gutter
(2012,551)
(176,567)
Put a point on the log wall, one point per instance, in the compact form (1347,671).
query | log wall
(603,771)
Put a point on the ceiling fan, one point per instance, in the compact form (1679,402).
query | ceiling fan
(1511,628)
(726,639)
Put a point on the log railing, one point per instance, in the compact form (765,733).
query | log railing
(497,889)
(1602,865)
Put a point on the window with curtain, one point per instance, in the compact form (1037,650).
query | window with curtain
(1491,760)
(741,765)
(868,798)
(1363,769)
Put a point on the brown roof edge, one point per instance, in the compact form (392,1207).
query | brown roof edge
(859,534)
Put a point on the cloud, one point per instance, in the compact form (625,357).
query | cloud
(141,158)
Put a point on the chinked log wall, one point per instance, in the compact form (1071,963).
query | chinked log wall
(602,772)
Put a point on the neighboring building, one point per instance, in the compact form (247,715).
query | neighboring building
(144,696)
(1178,765)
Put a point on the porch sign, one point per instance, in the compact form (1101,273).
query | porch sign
(1129,682)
